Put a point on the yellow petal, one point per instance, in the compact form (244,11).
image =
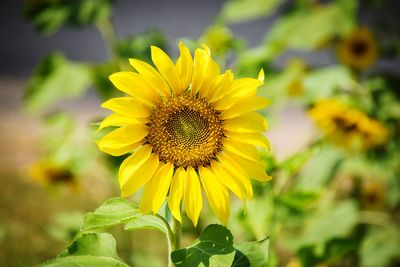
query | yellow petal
(120,120)
(237,172)
(261,75)
(155,190)
(132,163)
(176,193)
(220,86)
(228,180)
(121,140)
(134,85)
(167,68)
(127,106)
(184,65)
(252,122)
(205,69)
(217,195)
(140,176)
(151,76)
(254,169)
(241,149)
(192,196)
(257,139)
(249,104)
(240,88)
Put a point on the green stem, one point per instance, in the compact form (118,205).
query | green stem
(107,32)
(177,230)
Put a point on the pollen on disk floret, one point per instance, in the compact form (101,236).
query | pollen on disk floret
(185,130)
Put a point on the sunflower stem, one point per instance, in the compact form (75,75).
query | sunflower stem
(177,230)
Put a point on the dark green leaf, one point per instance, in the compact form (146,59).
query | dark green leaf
(111,212)
(89,250)
(48,16)
(214,240)
(56,79)
(254,254)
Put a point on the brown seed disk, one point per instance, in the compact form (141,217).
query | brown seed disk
(186,131)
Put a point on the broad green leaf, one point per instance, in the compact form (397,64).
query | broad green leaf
(320,25)
(236,11)
(380,247)
(214,240)
(147,222)
(89,250)
(254,254)
(111,212)
(300,200)
(138,46)
(56,79)
(334,221)
(48,16)
(222,260)
(320,169)
(324,82)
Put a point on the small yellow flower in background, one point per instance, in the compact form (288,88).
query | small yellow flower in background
(49,174)
(373,194)
(359,50)
(189,127)
(346,126)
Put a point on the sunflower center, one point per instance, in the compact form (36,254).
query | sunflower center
(186,131)
(359,47)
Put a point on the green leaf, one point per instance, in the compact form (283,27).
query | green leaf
(89,250)
(147,222)
(112,212)
(48,16)
(221,260)
(56,79)
(254,254)
(214,240)
(288,32)
(235,11)
(319,228)
(380,247)
(300,200)
(138,46)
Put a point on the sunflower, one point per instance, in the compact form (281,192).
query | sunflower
(50,174)
(359,50)
(347,126)
(188,127)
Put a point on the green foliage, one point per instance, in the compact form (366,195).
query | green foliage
(235,11)
(380,247)
(89,250)
(214,247)
(139,46)
(55,79)
(48,16)
(320,24)
(254,254)
(147,222)
(112,212)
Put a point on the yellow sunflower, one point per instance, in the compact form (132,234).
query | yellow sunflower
(359,50)
(346,126)
(49,174)
(188,127)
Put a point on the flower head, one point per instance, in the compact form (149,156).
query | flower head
(188,127)
(346,126)
(359,50)
(50,174)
